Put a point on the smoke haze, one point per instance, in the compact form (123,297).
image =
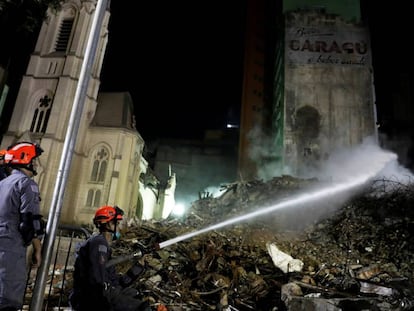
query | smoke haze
(352,170)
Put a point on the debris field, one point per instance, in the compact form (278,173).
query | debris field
(344,252)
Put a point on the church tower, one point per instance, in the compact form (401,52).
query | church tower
(105,167)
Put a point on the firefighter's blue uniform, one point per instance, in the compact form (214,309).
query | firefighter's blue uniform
(96,286)
(19,194)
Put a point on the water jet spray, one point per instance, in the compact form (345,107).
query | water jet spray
(375,166)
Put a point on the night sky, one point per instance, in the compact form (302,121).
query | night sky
(390,27)
(182,62)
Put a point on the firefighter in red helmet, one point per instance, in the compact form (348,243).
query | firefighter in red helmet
(23,155)
(96,285)
(20,222)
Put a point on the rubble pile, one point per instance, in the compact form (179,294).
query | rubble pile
(352,253)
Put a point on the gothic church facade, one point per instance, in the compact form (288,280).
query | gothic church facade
(107,164)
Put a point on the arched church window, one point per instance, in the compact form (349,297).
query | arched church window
(94,198)
(89,198)
(41,115)
(102,172)
(97,200)
(95,169)
(99,167)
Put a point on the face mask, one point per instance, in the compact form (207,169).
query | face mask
(116,236)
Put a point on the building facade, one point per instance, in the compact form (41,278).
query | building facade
(201,166)
(107,164)
(308,86)
(327,99)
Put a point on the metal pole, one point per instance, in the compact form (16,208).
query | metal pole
(66,157)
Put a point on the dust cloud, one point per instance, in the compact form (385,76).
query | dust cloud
(367,159)
(346,174)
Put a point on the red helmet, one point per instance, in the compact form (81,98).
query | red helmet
(106,213)
(22,153)
(2,153)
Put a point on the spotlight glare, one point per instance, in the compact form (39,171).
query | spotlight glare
(179,209)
